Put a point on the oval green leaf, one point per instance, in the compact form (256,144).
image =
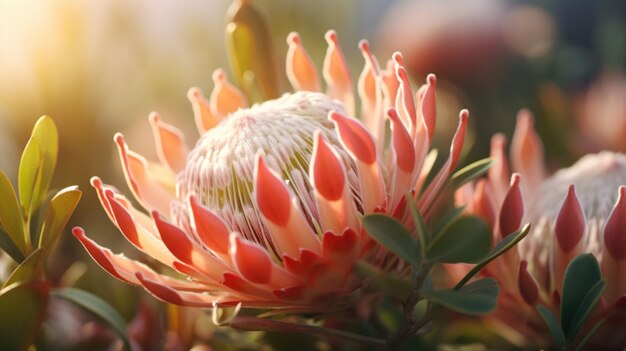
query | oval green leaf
(27,270)
(59,212)
(553,327)
(466,240)
(29,175)
(475,298)
(581,276)
(99,307)
(586,307)
(503,246)
(394,236)
(10,215)
(47,136)
(9,247)
(22,309)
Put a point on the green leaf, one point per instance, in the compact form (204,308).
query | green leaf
(446,219)
(97,306)
(10,215)
(467,239)
(420,225)
(475,298)
(29,176)
(9,247)
(28,270)
(37,164)
(59,211)
(587,305)
(581,277)
(390,284)
(503,246)
(392,235)
(22,309)
(471,172)
(47,137)
(553,326)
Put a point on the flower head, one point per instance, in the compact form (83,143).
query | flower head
(580,209)
(264,209)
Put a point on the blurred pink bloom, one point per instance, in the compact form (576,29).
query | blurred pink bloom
(601,114)
(580,209)
(265,209)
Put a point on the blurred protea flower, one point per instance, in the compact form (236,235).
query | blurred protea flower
(265,209)
(580,209)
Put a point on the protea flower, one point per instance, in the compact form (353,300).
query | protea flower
(264,210)
(580,209)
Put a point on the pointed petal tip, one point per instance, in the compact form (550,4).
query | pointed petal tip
(431,79)
(96,182)
(78,232)
(119,140)
(528,287)
(293,38)
(218,76)
(331,37)
(398,58)
(614,229)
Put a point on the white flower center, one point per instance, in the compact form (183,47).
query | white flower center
(596,178)
(220,168)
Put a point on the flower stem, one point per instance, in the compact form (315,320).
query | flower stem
(254,323)
(410,325)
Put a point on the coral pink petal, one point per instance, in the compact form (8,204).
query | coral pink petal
(301,70)
(390,85)
(272,196)
(335,205)
(432,191)
(170,144)
(499,174)
(527,284)
(405,105)
(225,98)
(96,252)
(355,138)
(251,261)
(615,229)
(304,264)
(342,249)
(570,223)
(327,173)
(187,251)
(100,189)
(402,143)
(300,294)
(428,106)
(203,116)
(141,181)
(124,268)
(288,226)
(209,227)
(239,284)
(512,210)
(337,74)
(136,233)
(527,151)
(483,205)
(370,92)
